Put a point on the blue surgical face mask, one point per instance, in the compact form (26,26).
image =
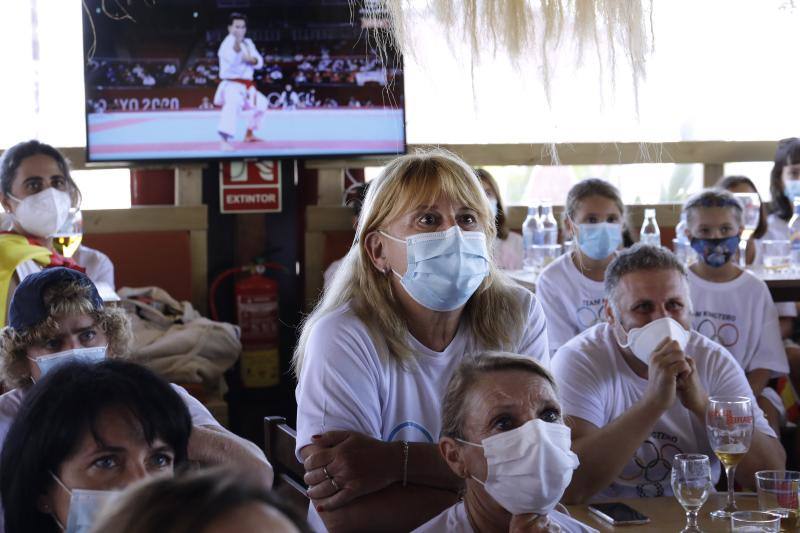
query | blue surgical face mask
(46,363)
(599,241)
(84,506)
(444,268)
(792,189)
(716,252)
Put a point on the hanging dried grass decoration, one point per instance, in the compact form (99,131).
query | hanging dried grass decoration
(530,29)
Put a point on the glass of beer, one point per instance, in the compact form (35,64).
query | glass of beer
(67,239)
(779,493)
(691,484)
(729,422)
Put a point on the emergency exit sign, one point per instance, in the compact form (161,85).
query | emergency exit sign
(250,187)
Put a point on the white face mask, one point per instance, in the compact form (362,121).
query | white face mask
(46,363)
(43,213)
(84,506)
(530,467)
(644,340)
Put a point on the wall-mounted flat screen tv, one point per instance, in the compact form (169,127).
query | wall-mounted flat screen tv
(219,79)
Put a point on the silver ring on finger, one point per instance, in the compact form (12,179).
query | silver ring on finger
(325,471)
(335,485)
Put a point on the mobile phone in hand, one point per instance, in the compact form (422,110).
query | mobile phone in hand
(618,514)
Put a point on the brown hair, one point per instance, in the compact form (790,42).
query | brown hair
(467,376)
(500,222)
(61,299)
(188,503)
(729,182)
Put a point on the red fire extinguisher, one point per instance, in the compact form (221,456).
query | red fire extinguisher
(257,316)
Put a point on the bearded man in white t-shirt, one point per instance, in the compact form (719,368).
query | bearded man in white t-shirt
(635,389)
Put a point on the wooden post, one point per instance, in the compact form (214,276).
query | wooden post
(189,192)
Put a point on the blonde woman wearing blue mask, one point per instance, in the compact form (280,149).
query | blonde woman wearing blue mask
(571,287)
(417,292)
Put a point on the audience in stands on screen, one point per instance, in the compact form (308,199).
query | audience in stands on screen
(639,384)
(83,432)
(416,294)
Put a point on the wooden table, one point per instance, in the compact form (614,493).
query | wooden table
(666,514)
(784,290)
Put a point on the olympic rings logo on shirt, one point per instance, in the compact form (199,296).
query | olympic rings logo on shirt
(589,315)
(650,468)
(726,334)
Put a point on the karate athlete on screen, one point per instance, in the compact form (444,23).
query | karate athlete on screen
(238,58)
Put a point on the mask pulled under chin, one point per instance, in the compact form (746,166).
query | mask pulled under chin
(643,341)
(530,467)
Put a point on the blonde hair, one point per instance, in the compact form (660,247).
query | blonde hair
(467,376)
(493,314)
(61,299)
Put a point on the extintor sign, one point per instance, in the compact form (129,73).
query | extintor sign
(250,187)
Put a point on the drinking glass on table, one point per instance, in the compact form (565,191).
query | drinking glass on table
(755,522)
(69,236)
(751,209)
(691,484)
(729,423)
(779,493)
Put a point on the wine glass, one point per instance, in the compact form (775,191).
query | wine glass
(751,209)
(69,236)
(691,484)
(729,422)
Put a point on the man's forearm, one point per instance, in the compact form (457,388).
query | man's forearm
(604,452)
(211,445)
(766,453)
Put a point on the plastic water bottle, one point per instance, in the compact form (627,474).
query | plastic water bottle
(531,233)
(548,224)
(794,234)
(650,233)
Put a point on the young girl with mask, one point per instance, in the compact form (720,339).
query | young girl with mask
(507,249)
(784,185)
(39,195)
(571,287)
(732,306)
